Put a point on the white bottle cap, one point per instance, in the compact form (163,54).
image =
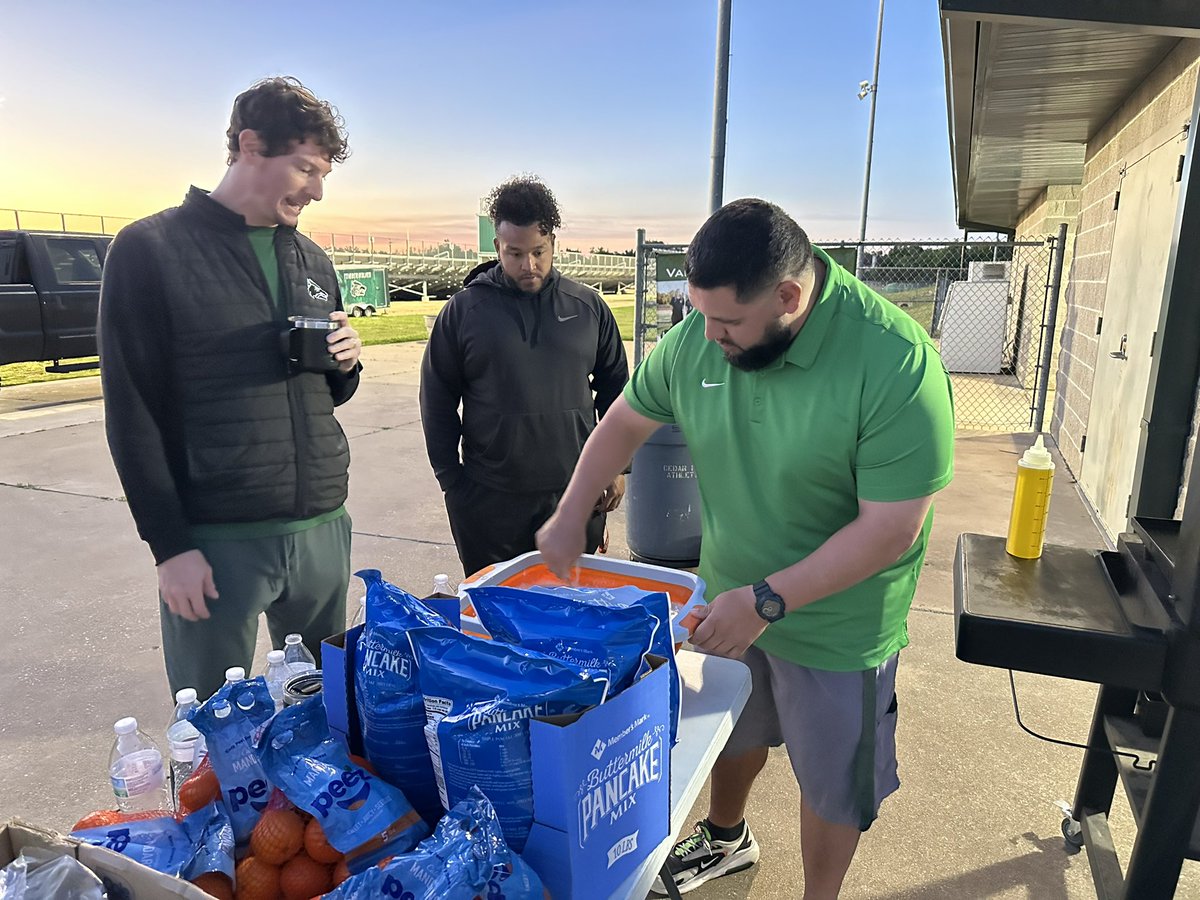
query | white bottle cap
(128,725)
(235,673)
(185,695)
(274,656)
(441,579)
(1037,456)
(292,639)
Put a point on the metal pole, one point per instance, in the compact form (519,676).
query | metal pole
(862,225)
(639,302)
(1043,382)
(716,183)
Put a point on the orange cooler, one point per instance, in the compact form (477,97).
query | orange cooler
(685,590)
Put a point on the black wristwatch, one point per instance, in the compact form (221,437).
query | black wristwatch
(768,604)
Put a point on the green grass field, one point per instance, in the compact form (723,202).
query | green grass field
(402,322)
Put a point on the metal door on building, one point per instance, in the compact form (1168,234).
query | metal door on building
(1145,218)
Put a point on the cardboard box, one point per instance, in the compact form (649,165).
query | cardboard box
(337,687)
(123,878)
(601,779)
(601,790)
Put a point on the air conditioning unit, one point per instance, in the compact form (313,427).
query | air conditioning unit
(987,271)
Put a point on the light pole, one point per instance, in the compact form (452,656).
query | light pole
(871,88)
(716,183)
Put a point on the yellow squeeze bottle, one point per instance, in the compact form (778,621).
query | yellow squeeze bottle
(1031,502)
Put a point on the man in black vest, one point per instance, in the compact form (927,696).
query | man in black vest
(534,359)
(223,436)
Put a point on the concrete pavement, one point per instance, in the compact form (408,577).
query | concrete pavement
(974,816)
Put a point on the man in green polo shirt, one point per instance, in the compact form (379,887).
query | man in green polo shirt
(820,422)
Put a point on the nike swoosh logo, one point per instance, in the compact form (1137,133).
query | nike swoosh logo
(708,864)
(704,382)
(568,318)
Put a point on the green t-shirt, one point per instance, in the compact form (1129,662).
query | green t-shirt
(263,241)
(858,407)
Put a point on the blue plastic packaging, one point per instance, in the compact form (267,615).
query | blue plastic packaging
(390,710)
(202,842)
(479,697)
(231,720)
(656,603)
(466,857)
(607,640)
(314,771)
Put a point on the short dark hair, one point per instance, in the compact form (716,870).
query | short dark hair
(283,112)
(748,245)
(522,201)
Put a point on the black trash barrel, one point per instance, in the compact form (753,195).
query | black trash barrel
(662,518)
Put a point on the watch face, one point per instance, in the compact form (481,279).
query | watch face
(772,609)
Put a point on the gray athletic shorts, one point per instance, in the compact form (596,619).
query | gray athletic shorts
(844,774)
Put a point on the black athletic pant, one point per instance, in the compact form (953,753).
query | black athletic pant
(491,526)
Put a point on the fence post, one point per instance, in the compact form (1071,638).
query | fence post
(1043,383)
(639,313)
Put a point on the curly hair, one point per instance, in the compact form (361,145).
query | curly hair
(523,200)
(284,112)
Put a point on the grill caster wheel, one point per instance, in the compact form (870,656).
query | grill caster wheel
(1072,833)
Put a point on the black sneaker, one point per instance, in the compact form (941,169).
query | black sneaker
(699,858)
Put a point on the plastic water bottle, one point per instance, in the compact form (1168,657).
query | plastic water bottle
(360,617)
(234,674)
(185,744)
(296,655)
(277,675)
(135,767)
(442,586)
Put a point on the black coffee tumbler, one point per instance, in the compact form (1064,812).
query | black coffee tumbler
(308,349)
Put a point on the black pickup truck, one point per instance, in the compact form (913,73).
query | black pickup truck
(49,296)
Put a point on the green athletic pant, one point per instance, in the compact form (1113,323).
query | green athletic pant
(299,580)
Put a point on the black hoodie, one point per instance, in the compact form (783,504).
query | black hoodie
(525,368)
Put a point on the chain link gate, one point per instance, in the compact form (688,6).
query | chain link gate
(988,305)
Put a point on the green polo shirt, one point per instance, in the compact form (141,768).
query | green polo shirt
(859,407)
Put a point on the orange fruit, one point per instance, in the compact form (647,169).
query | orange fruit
(301,877)
(200,789)
(317,846)
(256,880)
(277,837)
(97,819)
(340,873)
(215,884)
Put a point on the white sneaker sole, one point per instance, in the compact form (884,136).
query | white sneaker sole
(731,865)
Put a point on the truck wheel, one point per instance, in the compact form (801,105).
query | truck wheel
(370,310)
(357,312)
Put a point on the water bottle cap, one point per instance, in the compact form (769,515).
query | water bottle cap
(185,695)
(128,725)
(275,656)
(442,578)
(235,673)
(292,639)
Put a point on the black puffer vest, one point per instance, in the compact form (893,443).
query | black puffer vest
(253,442)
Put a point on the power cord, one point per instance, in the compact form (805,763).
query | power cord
(1137,759)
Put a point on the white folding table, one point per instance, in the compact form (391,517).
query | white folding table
(715,691)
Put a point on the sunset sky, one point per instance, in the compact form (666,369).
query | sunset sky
(115,108)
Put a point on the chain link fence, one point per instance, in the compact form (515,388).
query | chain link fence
(986,304)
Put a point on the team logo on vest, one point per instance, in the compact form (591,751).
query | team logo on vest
(317,292)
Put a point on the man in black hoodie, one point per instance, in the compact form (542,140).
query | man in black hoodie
(534,359)
(232,461)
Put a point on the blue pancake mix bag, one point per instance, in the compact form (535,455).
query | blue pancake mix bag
(202,842)
(231,720)
(656,603)
(465,858)
(606,640)
(357,810)
(479,697)
(390,710)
